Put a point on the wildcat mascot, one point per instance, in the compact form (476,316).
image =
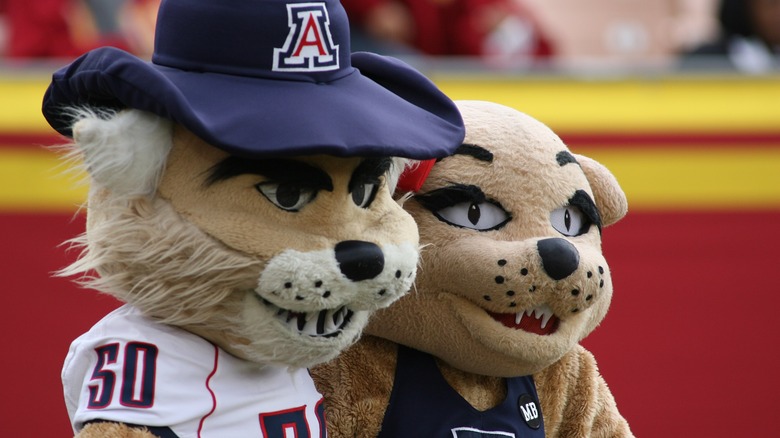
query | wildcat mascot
(240,207)
(511,279)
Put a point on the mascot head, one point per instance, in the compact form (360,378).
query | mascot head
(240,182)
(512,274)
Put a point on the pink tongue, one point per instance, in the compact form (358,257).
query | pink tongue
(527,324)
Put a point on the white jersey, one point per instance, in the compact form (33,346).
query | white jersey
(130,369)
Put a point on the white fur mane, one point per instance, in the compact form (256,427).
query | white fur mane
(144,254)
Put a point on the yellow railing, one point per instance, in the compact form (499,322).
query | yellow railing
(656,132)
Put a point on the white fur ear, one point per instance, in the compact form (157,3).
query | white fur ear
(125,152)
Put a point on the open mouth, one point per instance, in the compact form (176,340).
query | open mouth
(326,323)
(540,321)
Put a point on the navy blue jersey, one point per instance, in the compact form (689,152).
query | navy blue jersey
(423,404)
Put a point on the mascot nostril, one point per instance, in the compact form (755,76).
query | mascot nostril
(559,257)
(359,260)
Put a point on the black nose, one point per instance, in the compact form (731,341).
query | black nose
(559,257)
(359,260)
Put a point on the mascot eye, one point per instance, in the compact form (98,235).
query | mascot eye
(363,194)
(287,196)
(569,221)
(481,216)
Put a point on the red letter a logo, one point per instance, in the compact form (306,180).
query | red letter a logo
(309,45)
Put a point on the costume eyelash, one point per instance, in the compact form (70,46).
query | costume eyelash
(451,195)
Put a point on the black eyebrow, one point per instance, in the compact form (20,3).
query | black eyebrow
(276,170)
(369,171)
(474,151)
(565,157)
(584,202)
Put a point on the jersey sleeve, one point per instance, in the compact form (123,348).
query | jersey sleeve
(132,370)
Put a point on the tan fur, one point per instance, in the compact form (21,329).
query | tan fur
(130,247)
(113,430)
(446,314)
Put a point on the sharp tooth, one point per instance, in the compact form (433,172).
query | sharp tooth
(329,322)
(347,315)
(338,316)
(518,317)
(529,312)
(311,329)
(547,314)
(322,316)
(546,318)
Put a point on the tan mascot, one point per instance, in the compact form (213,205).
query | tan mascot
(512,277)
(240,205)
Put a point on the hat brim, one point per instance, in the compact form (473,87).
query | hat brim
(382,107)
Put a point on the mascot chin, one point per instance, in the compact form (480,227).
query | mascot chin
(240,206)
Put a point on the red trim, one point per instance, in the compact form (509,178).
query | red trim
(709,139)
(596,139)
(30,139)
(208,387)
(413,178)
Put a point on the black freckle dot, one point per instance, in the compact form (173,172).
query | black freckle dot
(575,292)
(499,279)
(317,283)
(575,310)
(501,262)
(510,293)
(524,271)
(532,289)
(397,274)
(601,283)
(288,285)
(299,298)
(326,294)
(382,292)
(513,304)
(601,270)
(589,297)
(590,274)
(486,297)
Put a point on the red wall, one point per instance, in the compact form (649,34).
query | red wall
(689,347)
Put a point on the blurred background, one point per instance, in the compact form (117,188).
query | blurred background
(679,98)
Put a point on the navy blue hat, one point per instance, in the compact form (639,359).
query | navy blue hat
(266,77)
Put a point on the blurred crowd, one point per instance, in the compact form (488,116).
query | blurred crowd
(494,28)
(748,39)
(35,29)
(742,35)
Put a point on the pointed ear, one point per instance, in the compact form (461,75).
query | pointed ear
(124,152)
(610,198)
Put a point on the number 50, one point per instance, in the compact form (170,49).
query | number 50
(139,369)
